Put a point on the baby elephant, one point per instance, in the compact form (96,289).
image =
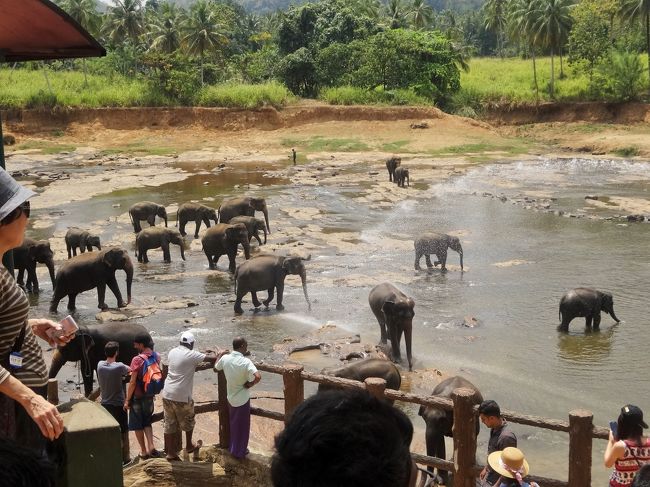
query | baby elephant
(225,238)
(81,239)
(585,302)
(436,243)
(194,212)
(154,237)
(401,175)
(253,226)
(362,369)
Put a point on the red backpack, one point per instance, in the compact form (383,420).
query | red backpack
(152,378)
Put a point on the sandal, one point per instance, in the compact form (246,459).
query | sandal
(155,454)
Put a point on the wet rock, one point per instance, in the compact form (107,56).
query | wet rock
(470,322)
(421,125)
(591,197)
(373,173)
(503,198)
(635,218)
(8,139)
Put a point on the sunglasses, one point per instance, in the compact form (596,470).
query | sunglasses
(15,214)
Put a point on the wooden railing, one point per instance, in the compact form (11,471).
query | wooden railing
(579,426)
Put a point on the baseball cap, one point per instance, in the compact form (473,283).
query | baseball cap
(187,337)
(633,415)
(12,194)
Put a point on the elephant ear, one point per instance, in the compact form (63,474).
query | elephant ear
(388,308)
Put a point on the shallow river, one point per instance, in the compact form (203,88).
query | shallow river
(518,263)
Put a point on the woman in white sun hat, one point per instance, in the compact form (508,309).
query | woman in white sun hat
(511,464)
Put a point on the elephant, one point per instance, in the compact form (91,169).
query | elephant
(94,269)
(394,312)
(391,165)
(222,239)
(197,213)
(27,256)
(146,210)
(402,174)
(87,347)
(154,237)
(253,225)
(440,422)
(268,272)
(585,302)
(436,243)
(362,369)
(78,238)
(245,206)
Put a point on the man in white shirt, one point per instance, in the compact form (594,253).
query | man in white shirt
(178,405)
(241,374)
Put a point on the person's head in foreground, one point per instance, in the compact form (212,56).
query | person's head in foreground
(511,464)
(344,438)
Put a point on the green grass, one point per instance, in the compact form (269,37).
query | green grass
(245,96)
(626,151)
(513,148)
(45,147)
(321,144)
(351,95)
(395,146)
(139,147)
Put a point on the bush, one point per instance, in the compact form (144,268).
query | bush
(620,76)
(244,96)
(351,95)
(41,99)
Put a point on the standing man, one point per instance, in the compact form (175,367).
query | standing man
(178,405)
(241,375)
(293,154)
(110,374)
(139,404)
(501,437)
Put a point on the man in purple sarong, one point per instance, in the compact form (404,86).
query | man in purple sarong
(241,375)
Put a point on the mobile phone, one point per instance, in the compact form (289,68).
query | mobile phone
(613,425)
(68,327)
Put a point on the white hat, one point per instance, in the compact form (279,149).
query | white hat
(187,337)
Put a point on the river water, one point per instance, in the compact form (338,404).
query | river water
(518,263)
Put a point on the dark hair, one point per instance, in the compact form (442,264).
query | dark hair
(490,408)
(14,214)
(343,438)
(642,477)
(22,467)
(238,343)
(144,339)
(111,348)
(629,430)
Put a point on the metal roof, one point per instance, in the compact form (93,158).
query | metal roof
(38,29)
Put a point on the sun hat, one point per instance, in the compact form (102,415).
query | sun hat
(509,462)
(187,337)
(12,194)
(633,415)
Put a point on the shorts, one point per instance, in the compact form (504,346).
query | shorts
(140,413)
(178,415)
(120,416)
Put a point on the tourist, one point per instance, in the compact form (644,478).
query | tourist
(501,436)
(110,374)
(642,477)
(241,374)
(293,155)
(627,449)
(178,405)
(25,414)
(137,402)
(511,468)
(344,438)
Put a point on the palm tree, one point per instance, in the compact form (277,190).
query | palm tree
(495,20)
(522,18)
(421,14)
(125,21)
(552,26)
(369,8)
(202,31)
(164,31)
(85,13)
(638,9)
(396,12)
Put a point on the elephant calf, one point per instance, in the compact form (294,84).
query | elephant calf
(401,175)
(146,210)
(394,312)
(154,237)
(436,243)
(194,212)
(27,256)
(360,370)
(81,239)
(267,272)
(585,302)
(222,239)
(391,165)
(253,225)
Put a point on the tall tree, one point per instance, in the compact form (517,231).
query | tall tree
(522,18)
(202,32)
(638,10)
(396,12)
(125,21)
(85,13)
(496,20)
(421,14)
(165,35)
(553,23)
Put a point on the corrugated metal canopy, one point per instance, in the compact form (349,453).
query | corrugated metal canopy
(37,29)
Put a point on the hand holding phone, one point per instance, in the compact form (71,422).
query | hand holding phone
(613,425)
(68,328)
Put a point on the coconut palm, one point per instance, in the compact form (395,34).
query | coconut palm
(551,27)
(522,18)
(396,12)
(165,36)
(202,32)
(125,21)
(635,10)
(369,8)
(495,20)
(421,14)
(84,12)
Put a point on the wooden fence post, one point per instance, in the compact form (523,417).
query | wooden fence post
(294,389)
(224,414)
(375,387)
(580,446)
(464,432)
(52,390)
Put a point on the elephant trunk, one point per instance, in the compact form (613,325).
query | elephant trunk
(408,334)
(264,235)
(613,315)
(266,218)
(182,246)
(247,248)
(303,278)
(165,220)
(460,253)
(57,362)
(128,268)
(50,268)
